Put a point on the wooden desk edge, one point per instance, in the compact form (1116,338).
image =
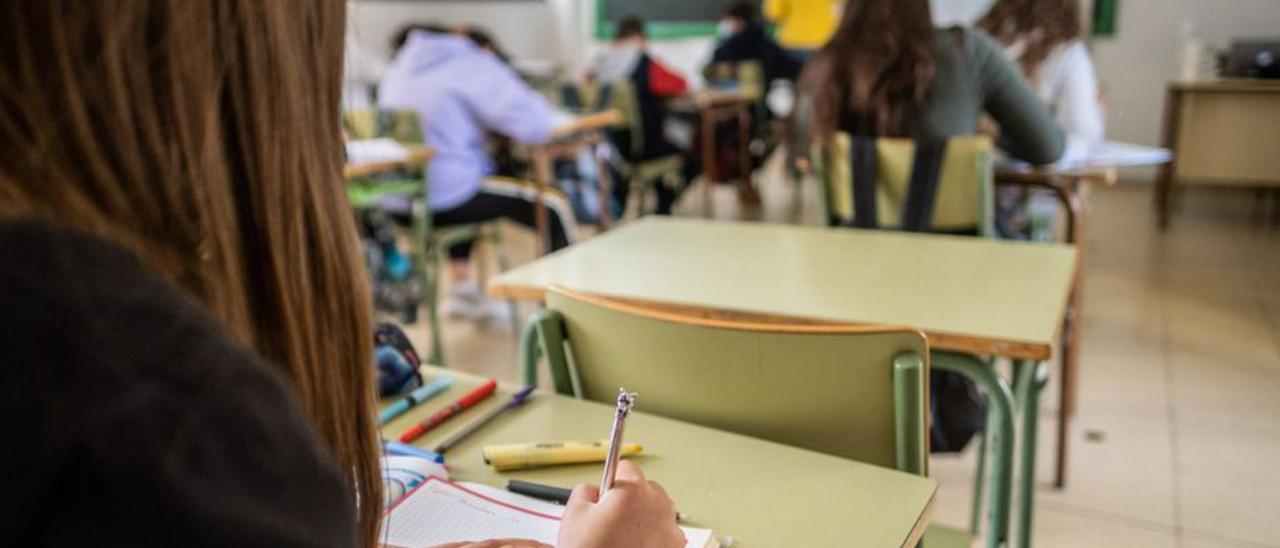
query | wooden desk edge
(587,122)
(938,341)
(922,522)
(414,157)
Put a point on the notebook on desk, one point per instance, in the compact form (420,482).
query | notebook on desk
(439,511)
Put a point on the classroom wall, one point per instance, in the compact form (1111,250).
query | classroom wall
(1133,67)
(527,28)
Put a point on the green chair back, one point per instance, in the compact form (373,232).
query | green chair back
(964,199)
(856,392)
(401,125)
(748,75)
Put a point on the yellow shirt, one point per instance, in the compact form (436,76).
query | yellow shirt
(804,24)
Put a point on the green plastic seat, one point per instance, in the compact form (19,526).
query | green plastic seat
(857,392)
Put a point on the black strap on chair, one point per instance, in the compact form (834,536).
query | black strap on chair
(864,167)
(917,209)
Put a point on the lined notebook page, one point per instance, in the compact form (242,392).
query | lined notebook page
(440,512)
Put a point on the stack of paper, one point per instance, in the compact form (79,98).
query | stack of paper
(439,512)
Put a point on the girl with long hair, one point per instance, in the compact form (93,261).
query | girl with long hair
(1046,39)
(183,312)
(888,72)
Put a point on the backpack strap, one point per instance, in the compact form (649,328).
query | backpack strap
(862,164)
(917,209)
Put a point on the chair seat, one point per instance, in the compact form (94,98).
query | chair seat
(940,536)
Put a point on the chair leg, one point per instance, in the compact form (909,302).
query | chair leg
(504,264)
(1031,380)
(979,483)
(530,351)
(427,262)
(1000,400)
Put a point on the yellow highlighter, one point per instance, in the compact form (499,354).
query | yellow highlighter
(519,456)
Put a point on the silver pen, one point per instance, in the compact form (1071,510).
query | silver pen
(626,400)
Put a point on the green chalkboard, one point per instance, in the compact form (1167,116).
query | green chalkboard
(664,18)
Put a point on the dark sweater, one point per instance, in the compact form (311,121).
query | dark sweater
(131,419)
(752,43)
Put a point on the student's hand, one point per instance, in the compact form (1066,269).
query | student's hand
(635,513)
(496,543)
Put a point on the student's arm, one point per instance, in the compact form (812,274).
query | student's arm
(1027,131)
(1076,102)
(504,103)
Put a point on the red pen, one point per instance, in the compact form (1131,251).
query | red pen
(466,401)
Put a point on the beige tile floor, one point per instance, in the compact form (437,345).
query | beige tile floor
(1177,437)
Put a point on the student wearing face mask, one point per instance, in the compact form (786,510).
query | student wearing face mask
(742,38)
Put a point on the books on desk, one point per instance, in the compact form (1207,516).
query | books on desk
(439,511)
(363,151)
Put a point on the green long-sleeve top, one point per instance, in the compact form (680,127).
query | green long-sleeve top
(980,78)
(974,76)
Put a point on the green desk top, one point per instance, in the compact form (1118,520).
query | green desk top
(760,493)
(970,294)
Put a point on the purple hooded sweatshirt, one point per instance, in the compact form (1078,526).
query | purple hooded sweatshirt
(459,92)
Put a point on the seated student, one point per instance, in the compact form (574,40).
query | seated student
(743,38)
(1045,38)
(183,299)
(626,59)
(462,90)
(888,72)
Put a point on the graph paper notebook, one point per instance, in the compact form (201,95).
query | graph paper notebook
(439,512)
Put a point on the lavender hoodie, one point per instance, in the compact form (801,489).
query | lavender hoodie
(459,92)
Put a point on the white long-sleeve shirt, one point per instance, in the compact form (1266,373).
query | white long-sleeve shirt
(1068,85)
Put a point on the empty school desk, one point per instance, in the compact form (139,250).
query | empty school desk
(760,493)
(968,294)
(1222,132)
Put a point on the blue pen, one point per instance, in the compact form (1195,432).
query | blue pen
(419,395)
(398,449)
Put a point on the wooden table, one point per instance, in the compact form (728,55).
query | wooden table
(972,295)
(1222,132)
(713,105)
(415,157)
(758,492)
(566,140)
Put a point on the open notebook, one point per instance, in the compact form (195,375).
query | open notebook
(438,511)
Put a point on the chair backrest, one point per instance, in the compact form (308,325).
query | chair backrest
(853,391)
(964,198)
(619,96)
(401,125)
(746,75)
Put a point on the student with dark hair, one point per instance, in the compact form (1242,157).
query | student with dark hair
(182,291)
(888,72)
(626,59)
(743,38)
(462,91)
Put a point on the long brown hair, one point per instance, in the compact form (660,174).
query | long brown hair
(204,137)
(1041,25)
(875,72)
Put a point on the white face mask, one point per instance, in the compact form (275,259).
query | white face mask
(726,29)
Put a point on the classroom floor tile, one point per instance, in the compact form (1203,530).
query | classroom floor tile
(1178,427)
